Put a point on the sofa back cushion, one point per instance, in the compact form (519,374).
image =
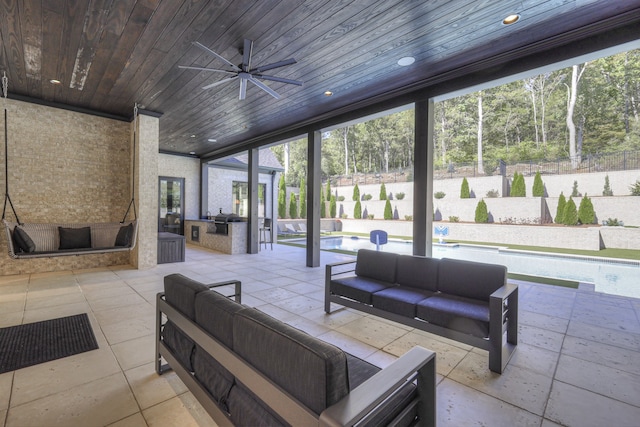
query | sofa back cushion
(470,279)
(311,370)
(417,272)
(214,313)
(180,292)
(376,265)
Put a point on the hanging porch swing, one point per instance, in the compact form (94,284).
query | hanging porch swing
(39,240)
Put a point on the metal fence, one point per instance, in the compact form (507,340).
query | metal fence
(588,163)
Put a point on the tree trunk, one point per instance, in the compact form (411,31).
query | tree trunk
(286,159)
(535,115)
(572,97)
(480,167)
(346,150)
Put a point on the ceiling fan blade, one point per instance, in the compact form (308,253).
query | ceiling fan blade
(219,82)
(201,46)
(264,87)
(278,79)
(243,89)
(278,64)
(184,67)
(246,54)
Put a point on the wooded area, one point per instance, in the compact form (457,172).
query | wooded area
(589,108)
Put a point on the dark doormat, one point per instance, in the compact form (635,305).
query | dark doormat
(39,342)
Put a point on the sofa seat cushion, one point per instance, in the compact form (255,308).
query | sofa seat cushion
(400,300)
(470,279)
(417,272)
(246,409)
(358,288)
(215,378)
(179,344)
(461,314)
(311,370)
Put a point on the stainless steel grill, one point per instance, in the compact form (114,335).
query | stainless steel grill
(222,221)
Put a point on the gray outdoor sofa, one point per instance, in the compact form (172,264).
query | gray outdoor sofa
(466,301)
(247,368)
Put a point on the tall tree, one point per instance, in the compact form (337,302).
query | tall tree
(572,97)
(480,120)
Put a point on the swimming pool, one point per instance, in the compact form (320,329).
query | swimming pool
(612,276)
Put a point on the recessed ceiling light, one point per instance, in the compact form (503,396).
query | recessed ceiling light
(328,93)
(193,136)
(406,61)
(212,140)
(511,19)
(55,82)
(192,152)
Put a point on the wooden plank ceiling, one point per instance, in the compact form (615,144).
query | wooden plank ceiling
(110,54)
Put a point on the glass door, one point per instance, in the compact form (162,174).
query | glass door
(171,205)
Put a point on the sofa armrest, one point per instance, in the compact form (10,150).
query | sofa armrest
(505,291)
(503,317)
(418,363)
(330,271)
(237,295)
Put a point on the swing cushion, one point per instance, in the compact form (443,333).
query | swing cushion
(124,236)
(23,241)
(74,238)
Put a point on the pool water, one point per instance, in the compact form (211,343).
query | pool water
(612,276)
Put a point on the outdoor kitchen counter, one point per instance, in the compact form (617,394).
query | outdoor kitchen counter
(201,232)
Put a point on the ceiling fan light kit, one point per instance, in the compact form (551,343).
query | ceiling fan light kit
(244,72)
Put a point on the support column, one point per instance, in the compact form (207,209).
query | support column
(314,181)
(204,190)
(423,179)
(145,254)
(252,179)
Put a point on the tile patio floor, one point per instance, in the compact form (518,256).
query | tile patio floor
(577,364)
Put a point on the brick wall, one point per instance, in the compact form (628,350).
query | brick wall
(64,167)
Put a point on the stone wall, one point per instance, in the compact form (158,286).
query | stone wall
(65,167)
(189,169)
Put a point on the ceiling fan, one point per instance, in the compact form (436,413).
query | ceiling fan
(244,72)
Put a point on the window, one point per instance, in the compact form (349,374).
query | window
(240,192)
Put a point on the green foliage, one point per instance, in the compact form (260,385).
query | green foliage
(293,206)
(303,198)
(332,207)
(574,190)
(356,193)
(323,209)
(635,188)
(607,191)
(383,192)
(340,198)
(357,210)
(439,194)
(570,215)
(492,194)
(400,195)
(454,219)
(586,214)
(518,188)
(408,217)
(367,197)
(482,214)
(538,186)
(328,196)
(562,202)
(613,222)
(464,189)
(282,198)
(370,216)
(388,212)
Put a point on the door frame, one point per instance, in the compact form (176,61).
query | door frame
(182,190)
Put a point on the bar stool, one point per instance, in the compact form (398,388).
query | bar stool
(265,230)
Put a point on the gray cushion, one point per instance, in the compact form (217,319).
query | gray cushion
(22,240)
(180,291)
(470,279)
(123,238)
(311,370)
(417,272)
(180,344)
(247,410)
(357,288)
(376,265)
(74,238)
(214,313)
(215,378)
(467,315)
(400,300)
